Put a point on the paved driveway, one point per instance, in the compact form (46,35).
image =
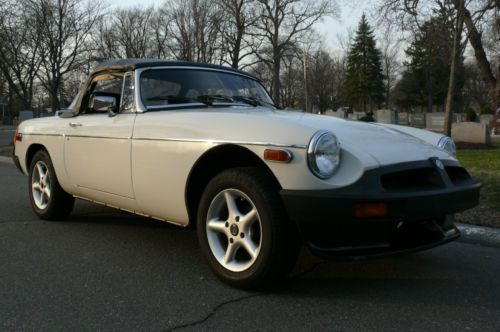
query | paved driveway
(106,270)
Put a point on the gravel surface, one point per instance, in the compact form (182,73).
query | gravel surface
(481,215)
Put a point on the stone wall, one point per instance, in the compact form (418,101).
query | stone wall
(470,132)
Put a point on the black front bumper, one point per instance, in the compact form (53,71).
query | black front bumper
(420,198)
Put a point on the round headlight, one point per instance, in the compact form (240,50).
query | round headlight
(323,154)
(447,144)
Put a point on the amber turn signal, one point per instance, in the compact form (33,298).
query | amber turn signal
(282,156)
(367,210)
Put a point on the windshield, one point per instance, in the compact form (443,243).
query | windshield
(166,88)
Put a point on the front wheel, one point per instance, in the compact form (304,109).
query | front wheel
(48,199)
(243,229)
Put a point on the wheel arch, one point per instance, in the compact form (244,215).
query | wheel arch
(30,153)
(211,163)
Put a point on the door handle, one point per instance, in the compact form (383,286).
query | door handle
(75,124)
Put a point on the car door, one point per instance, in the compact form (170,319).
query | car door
(97,145)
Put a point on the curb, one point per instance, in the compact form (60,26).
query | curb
(485,236)
(6,160)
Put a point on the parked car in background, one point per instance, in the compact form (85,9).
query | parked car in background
(204,145)
(25,115)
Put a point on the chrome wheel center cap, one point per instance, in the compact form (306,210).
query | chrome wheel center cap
(234,229)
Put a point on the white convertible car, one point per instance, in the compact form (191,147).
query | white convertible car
(191,143)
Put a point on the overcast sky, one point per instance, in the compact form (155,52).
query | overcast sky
(330,28)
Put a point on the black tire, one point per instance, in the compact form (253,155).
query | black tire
(278,240)
(59,204)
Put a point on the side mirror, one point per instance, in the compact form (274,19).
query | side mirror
(101,103)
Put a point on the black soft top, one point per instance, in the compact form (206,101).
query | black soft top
(131,64)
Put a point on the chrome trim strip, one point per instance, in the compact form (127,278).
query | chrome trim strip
(102,137)
(167,106)
(130,211)
(39,134)
(199,140)
(191,140)
(141,108)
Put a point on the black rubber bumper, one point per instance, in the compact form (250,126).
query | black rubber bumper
(419,211)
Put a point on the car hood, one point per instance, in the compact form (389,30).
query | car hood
(373,144)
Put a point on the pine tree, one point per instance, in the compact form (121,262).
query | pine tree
(364,79)
(428,67)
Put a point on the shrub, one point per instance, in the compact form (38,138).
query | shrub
(368,117)
(486,111)
(470,114)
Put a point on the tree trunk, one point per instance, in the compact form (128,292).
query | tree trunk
(482,61)
(498,89)
(457,36)
(276,79)
(54,97)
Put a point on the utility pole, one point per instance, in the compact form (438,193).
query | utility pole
(457,36)
(3,110)
(305,77)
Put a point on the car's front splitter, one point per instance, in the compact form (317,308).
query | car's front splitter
(418,201)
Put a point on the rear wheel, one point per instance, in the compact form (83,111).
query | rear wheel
(48,199)
(243,229)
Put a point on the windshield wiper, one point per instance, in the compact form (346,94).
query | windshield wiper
(177,99)
(255,101)
(209,99)
(248,100)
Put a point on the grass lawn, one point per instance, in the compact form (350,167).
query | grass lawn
(484,165)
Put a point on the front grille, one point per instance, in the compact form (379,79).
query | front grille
(413,179)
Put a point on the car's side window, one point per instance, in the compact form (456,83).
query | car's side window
(113,85)
(128,104)
(102,89)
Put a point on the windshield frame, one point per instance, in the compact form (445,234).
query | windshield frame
(141,108)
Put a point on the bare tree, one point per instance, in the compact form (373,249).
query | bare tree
(475,40)
(474,88)
(235,30)
(281,24)
(64,26)
(455,54)
(390,47)
(19,52)
(135,32)
(409,13)
(160,35)
(132,31)
(322,69)
(194,27)
(104,45)
(293,87)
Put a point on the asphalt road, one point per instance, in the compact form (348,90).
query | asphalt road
(105,270)
(6,137)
